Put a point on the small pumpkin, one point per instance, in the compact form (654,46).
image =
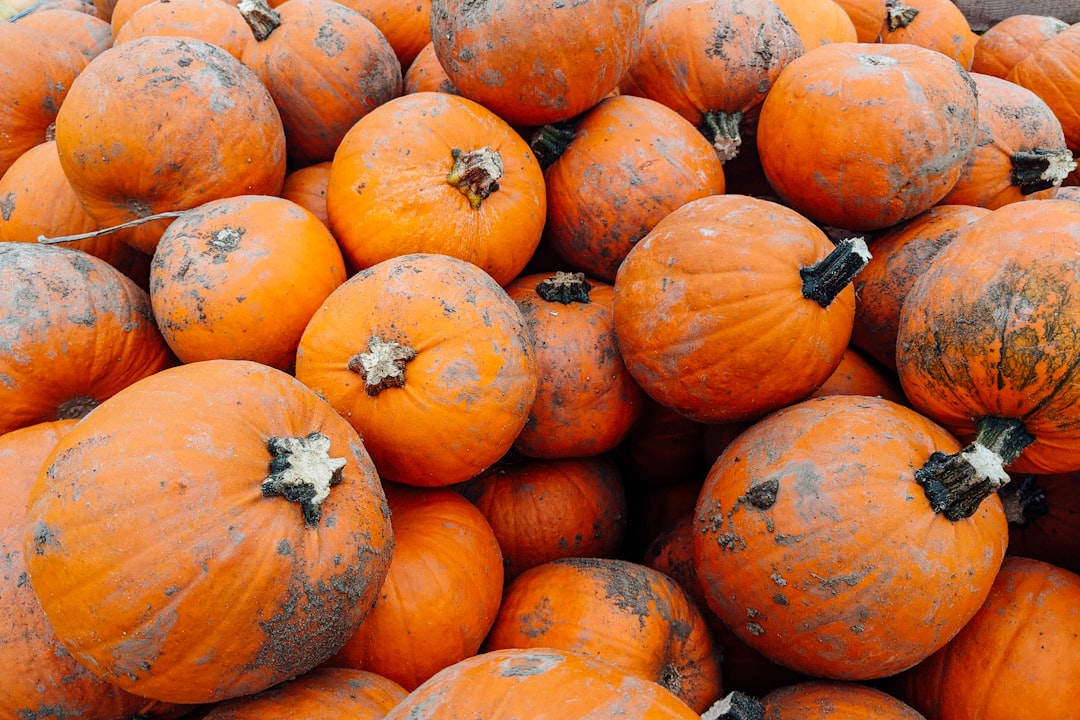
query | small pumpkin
(425,74)
(430,360)
(858,374)
(830,537)
(215,21)
(1052,71)
(406,26)
(933,24)
(819,21)
(206,533)
(1010,40)
(306,186)
(815,700)
(623,612)
(877,151)
(86,31)
(866,16)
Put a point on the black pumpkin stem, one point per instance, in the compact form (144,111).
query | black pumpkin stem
(302,471)
(899,14)
(550,141)
(260,17)
(564,287)
(824,280)
(76,408)
(722,130)
(735,706)
(1040,169)
(1024,500)
(957,484)
(476,173)
(383,365)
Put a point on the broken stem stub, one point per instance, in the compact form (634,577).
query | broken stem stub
(302,471)
(383,365)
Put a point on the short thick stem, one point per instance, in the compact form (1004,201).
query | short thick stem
(260,17)
(551,141)
(302,471)
(899,14)
(1040,169)
(383,365)
(957,484)
(476,173)
(564,287)
(722,130)
(76,408)
(735,706)
(824,280)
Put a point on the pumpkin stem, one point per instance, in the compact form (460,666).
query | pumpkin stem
(302,471)
(722,130)
(76,408)
(383,365)
(550,141)
(1040,169)
(476,173)
(1024,500)
(899,14)
(564,287)
(260,17)
(111,229)
(957,484)
(824,280)
(735,706)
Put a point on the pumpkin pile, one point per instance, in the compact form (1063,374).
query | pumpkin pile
(711,359)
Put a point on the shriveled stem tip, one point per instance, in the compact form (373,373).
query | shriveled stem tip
(735,706)
(722,130)
(302,471)
(260,17)
(824,280)
(383,365)
(476,173)
(1040,169)
(564,287)
(899,14)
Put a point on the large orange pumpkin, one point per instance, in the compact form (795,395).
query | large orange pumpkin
(734,306)
(208,532)
(827,537)
(1052,71)
(430,360)
(861,136)
(128,153)
(435,173)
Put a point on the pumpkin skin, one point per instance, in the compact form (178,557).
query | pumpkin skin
(128,154)
(396,188)
(933,24)
(1012,39)
(712,61)
(326,66)
(543,510)
(885,581)
(425,74)
(819,22)
(214,21)
(330,693)
(240,278)
(823,700)
(441,594)
(88,33)
(686,338)
(458,404)
(1016,658)
(406,26)
(586,400)
(866,16)
(541,684)
(1050,71)
(856,165)
(282,583)
(989,331)
(74,330)
(306,187)
(1020,151)
(631,162)
(899,255)
(857,374)
(1044,518)
(50,684)
(534,63)
(625,613)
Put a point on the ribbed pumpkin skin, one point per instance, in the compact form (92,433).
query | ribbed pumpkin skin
(867,16)
(939,25)
(406,25)
(213,21)
(74,331)
(541,684)
(891,128)
(1016,658)
(163,565)
(328,693)
(1052,71)
(991,328)
(823,700)
(1012,39)
(129,154)
(818,548)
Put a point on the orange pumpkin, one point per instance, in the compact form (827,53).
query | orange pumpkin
(425,74)
(85,31)
(541,684)
(866,16)
(430,360)
(1016,657)
(214,21)
(857,374)
(828,539)
(76,331)
(819,22)
(129,154)
(543,510)
(326,66)
(1010,40)
(768,335)
(985,343)
(406,25)
(845,139)
(436,173)
(824,700)
(1052,71)
(899,255)
(1020,151)
(306,187)
(208,532)
(625,613)
(536,63)
(441,594)
(586,400)
(619,169)
(712,61)
(933,24)
(330,693)
(241,277)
